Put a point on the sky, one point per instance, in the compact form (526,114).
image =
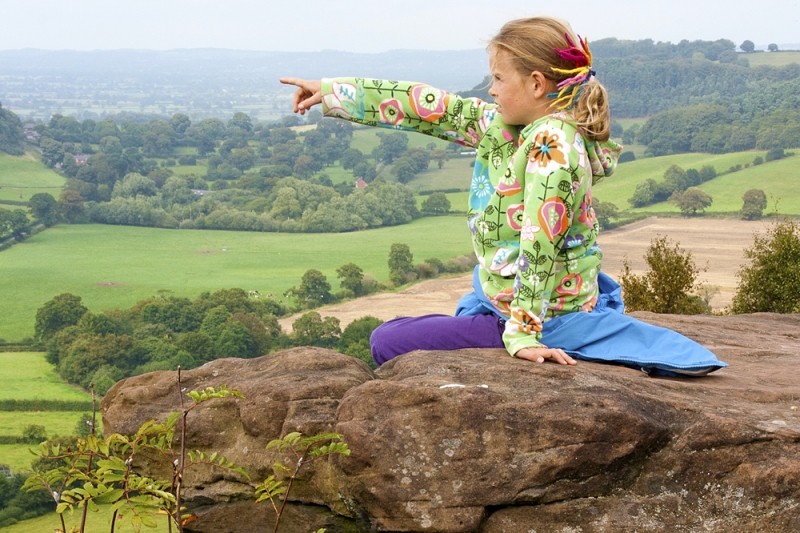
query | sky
(369,26)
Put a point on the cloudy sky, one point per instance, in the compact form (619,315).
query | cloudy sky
(373,25)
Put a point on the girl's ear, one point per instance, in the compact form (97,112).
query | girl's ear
(540,84)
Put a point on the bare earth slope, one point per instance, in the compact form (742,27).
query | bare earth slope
(715,243)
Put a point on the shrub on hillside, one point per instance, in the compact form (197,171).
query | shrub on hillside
(667,287)
(771,282)
(775,154)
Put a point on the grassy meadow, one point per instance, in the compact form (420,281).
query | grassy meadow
(116,266)
(23,176)
(621,186)
(773,59)
(28,376)
(95,522)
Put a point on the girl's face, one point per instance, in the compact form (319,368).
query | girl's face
(520,99)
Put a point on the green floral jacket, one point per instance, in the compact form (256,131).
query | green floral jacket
(530,204)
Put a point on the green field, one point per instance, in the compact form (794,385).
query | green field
(29,376)
(778,179)
(774,59)
(115,266)
(619,187)
(23,176)
(57,423)
(98,522)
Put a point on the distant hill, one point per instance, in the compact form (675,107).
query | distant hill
(451,70)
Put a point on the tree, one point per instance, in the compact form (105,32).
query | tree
(771,282)
(11,133)
(180,123)
(243,158)
(64,310)
(604,211)
(440,156)
(311,330)
(354,340)
(242,121)
(747,46)
(351,276)
(133,185)
(52,151)
(314,289)
(772,47)
(70,205)
(644,193)
(404,169)
(392,146)
(755,201)
(691,200)
(666,287)
(44,208)
(436,204)
(350,158)
(13,221)
(400,263)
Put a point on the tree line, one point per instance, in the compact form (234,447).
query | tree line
(163,332)
(262,177)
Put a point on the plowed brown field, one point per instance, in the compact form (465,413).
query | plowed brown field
(716,244)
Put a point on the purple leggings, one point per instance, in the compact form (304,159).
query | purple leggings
(435,332)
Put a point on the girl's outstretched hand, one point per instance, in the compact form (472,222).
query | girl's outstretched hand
(538,355)
(309,93)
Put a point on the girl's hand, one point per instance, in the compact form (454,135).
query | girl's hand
(538,355)
(309,93)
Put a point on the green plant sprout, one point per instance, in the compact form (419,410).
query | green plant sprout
(305,450)
(100,471)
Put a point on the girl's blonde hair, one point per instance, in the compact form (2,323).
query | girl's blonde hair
(533,42)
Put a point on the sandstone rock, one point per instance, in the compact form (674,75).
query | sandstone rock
(474,440)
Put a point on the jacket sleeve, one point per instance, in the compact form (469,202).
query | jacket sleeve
(407,106)
(544,218)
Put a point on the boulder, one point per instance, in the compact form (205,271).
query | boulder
(474,440)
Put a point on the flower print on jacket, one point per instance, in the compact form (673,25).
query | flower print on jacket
(553,217)
(514,214)
(502,300)
(580,149)
(509,184)
(391,111)
(342,102)
(528,231)
(428,102)
(481,188)
(488,116)
(524,321)
(549,150)
(504,262)
(570,285)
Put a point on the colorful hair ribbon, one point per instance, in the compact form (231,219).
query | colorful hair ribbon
(569,89)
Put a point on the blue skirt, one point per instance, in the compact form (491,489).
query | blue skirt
(608,335)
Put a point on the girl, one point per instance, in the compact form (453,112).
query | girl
(541,146)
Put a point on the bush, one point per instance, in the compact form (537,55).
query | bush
(758,160)
(187,160)
(666,287)
(775,154)
(354,340)
(624,157)
(755,201)
(34,434)
(771,282)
